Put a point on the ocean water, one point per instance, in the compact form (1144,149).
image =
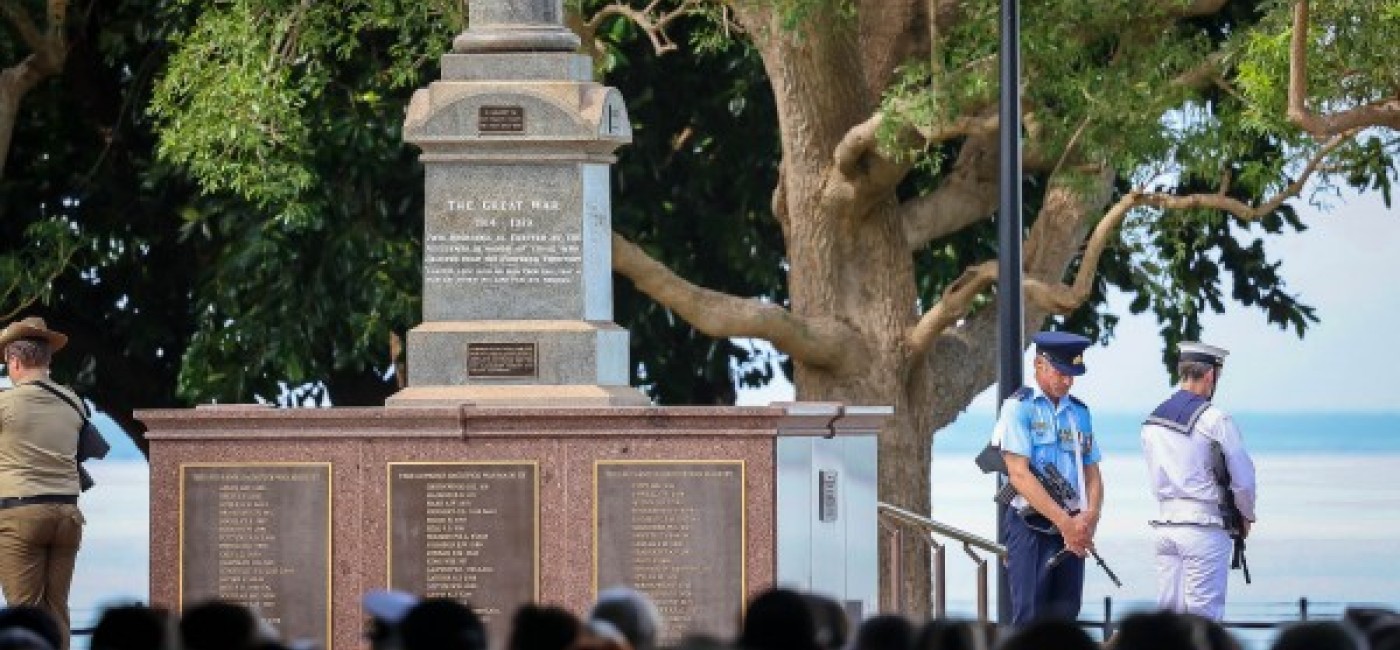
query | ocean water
(1328,530)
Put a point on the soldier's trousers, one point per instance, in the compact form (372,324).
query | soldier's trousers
(1193,569)
(38,549)
(1036,591)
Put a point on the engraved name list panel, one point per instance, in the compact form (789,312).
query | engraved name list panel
(259,534)
(675,530)
(468,531)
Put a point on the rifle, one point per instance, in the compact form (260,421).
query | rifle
(1230,516)
(1063,493)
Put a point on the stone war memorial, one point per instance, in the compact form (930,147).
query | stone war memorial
(517,465)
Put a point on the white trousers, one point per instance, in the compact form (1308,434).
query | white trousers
(1193,569)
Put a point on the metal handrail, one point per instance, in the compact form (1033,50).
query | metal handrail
(944,529)
(938,557)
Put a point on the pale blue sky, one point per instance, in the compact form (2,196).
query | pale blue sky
(1347,265)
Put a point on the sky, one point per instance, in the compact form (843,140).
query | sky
(1345,265)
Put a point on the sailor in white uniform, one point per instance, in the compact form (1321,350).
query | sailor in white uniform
(1203,481)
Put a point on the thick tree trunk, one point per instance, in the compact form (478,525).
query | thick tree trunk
(849,260)
(850,263)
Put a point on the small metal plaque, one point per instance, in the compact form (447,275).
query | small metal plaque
(826,480)
(260,535)
(468,531)
(502,360)
(674,530)
(501,119)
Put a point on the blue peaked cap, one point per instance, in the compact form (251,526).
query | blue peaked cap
(1064,351)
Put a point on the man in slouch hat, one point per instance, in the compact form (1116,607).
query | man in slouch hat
(40,525)
(1043,429)
(1203,481)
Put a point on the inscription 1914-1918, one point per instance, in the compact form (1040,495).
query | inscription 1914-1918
(675,530)
(259,534)
(468,531)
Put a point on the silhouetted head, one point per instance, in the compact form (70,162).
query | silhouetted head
(132,627)
(632,613)
(884,632)
(35,620)
(537,627)
(954,635)
(1172,631)
(442,624)
(218,625)
(1051,633)
(779,619)
(1320,635)
(833,628)
(18,638)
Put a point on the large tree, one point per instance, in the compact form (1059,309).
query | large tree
(1158,134)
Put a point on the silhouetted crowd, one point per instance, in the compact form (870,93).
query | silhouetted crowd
(624,619)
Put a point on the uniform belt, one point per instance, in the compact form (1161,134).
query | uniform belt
(1188,511)
(15,502)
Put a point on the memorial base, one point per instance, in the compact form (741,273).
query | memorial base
(297,513)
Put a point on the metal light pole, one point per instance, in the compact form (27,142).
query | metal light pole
(1010,337)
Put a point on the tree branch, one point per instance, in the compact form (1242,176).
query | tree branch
(967,196)
(817,342)
(861,169)
(59,261)
(1061,298)
(20,20)
(50,49)
(953,306)
(859,160)
(653,24)
(1385,112)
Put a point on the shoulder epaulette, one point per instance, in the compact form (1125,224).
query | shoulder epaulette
(1022,394)
(1078,401)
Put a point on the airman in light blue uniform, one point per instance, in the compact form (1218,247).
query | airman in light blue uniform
(1040,425)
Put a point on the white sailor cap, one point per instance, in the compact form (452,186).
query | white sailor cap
(1202,352)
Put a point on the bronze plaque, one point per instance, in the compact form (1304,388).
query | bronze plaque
(260,535)
(468,531)
(675,530)
(500,119)
(487,360)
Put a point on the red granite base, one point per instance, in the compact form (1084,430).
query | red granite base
(564,444)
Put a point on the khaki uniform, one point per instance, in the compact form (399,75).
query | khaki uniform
(39,542)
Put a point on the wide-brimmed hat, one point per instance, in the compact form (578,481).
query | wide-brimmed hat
(32,327)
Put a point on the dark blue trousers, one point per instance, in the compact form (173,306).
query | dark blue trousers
(1038,592)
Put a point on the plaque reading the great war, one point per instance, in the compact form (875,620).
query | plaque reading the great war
(501,360)
(468,531)
(259,534)
(513,242)
(674,530)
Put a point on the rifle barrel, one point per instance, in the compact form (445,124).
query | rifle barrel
(1104,565)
